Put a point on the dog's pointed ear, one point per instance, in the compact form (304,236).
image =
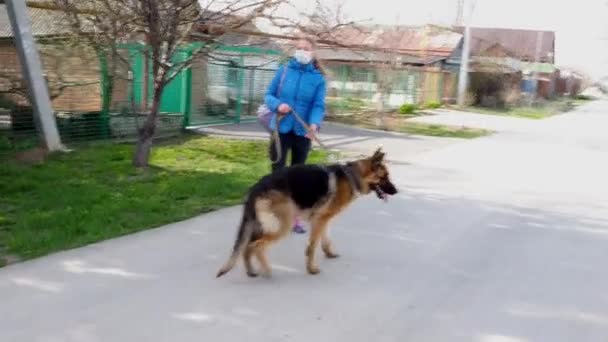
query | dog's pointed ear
(377,158)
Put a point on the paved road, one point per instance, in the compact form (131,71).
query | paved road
(499,239)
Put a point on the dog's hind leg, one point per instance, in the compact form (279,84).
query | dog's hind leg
(319,226)
(259,247)
(248,251)
(247,260)
(276,222)
(260,254)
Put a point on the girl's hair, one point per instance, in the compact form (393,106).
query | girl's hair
(315,61)
(319,66)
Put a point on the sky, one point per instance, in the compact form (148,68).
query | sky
(581,26)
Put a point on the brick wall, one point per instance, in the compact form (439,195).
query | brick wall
(74,70)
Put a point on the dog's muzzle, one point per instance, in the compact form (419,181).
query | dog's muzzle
(384,189)
(381,194)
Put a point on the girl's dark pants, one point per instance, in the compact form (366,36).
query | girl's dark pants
(299,147)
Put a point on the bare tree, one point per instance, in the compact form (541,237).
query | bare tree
(163,26)
(387,73)
(166,25)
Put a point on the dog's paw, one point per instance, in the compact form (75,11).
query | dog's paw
(331,255)
(313,270)
(252,274)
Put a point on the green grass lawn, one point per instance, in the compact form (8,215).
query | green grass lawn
(399,123)
(543,111)
(519,112)
(442,130)
(94,193)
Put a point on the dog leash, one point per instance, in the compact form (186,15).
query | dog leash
(277,139)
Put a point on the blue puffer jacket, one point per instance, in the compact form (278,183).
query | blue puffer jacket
(303,90)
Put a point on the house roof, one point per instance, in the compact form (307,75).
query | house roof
(520,43)
(416,40)
(210,18)
(44,22)
(367,56)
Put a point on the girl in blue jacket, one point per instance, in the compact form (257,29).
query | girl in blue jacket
(298,86)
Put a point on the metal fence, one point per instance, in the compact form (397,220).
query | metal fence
(229,85)
(92,101)
(74,82)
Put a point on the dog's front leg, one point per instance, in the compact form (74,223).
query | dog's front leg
(316,233)
(327,246)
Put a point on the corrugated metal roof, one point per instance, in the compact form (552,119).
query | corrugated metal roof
(521,43)
(44,22)
(423,40)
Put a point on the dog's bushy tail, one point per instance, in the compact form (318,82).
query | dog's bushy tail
(242,240)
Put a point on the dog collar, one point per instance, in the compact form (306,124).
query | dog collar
(354,181)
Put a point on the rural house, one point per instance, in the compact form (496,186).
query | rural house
(415,64)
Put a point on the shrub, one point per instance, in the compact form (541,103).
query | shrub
(6,102)
(584,97)
(433,105)
(347,104)
(408,108)
(22,118)
(491,89)
(5,143)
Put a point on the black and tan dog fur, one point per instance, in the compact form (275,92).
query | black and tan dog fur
(313,192)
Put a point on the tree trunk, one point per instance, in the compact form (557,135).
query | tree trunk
(146,133)
(380,120)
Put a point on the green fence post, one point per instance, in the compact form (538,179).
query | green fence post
(250,93)
(187,91)
(106,96)
(441,92)
(370,80)
(239,85)
(342,100)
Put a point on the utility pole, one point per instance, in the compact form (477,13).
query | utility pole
(32,73)
(537,52)
(464,60)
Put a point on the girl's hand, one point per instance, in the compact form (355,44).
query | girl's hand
(284,108)
(313,131)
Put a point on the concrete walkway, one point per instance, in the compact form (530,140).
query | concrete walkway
(498,239)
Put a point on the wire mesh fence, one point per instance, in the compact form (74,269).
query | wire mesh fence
(74,85)
(94,99)
(229,86)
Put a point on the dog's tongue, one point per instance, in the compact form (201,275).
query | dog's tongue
(384,197)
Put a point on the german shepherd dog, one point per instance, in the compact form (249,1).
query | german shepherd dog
(314,192)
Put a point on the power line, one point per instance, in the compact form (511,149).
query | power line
(459,13)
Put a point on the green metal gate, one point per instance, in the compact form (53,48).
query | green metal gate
(229,86)
(175,97)
(225,88)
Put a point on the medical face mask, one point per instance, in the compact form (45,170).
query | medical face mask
(302,56)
